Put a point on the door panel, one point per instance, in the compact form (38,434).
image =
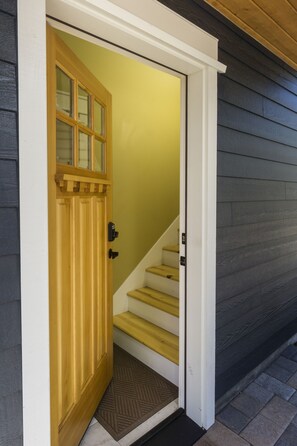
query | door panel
(83,281)
(65,325)
(80,271)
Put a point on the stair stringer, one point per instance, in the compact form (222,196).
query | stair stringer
(137,278)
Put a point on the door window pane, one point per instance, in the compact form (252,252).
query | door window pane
(84,115)
(64,88)
(84,145)
(99,156)
(64,143)
(99,118)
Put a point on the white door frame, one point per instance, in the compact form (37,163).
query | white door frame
(157,33)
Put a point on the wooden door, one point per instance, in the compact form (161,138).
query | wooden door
(79,184)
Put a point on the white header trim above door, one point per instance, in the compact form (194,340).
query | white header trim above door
(163,45)
(119,26)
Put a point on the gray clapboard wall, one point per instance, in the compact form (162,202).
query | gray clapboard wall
(257,198)
(10,317)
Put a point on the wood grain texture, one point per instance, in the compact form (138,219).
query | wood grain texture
(270,23)
(224,214)
(10,327)
(9,231)
(162,301)
(10,314)
(242,258)
(233,237)
(9,187)
(236,94)
(225,380)
(156,338)
(11,376)
(237,142)
(165,271)
(246,74)
(8,52)
(234,308)
(272,303)
(11,419)
(237,166)
(8,138)
(229,286)
(255,212)
(9,278)
(245,345)
(79,267)
(256,262)
(8,93)
(291,191)
(248,122)
(257,195)
(247,189)
(8,6)
(231,37)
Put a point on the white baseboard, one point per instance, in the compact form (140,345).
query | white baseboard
(137,278)
(154,315)
(161,365)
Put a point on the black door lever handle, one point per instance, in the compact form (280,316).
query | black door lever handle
(112,254)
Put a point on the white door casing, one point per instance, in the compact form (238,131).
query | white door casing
(156,33)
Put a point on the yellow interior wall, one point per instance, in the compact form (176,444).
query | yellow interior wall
(146,134)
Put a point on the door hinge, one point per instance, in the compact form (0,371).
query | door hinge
(182,261)
(183,239)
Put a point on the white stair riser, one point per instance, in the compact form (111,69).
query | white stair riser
(154,315)
(161,365)
(170,258)
(162,284)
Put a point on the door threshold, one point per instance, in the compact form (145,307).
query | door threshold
(176,430)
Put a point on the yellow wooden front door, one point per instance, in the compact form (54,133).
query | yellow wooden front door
(79,184)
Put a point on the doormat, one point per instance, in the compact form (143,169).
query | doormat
(135,393)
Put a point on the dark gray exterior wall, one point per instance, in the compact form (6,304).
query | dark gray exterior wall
(257,207)
(257,198)
(10,312)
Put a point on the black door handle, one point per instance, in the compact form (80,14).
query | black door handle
(112,233)
(112,254)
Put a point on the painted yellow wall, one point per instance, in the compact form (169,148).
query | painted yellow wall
(146,131)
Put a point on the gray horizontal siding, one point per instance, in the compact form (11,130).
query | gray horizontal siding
(10,308)
(257,198)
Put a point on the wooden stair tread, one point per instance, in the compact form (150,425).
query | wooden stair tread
(155,298)
(165,271)
(172,248)
(156,338)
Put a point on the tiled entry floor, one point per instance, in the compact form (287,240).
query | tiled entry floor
(265,413)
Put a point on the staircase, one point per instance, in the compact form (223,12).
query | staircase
(149,329)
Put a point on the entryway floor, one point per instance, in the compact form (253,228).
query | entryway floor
(96,435)
(136,394)
(265,413)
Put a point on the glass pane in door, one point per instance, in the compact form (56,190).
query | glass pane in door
(64,89)
(84,145)
(84,115)
(99,156)
(99,118)
(64,143)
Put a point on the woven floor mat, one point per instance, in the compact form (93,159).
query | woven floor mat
(135,394)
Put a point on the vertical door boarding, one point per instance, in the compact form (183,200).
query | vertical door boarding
(154,32)
(79,185)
